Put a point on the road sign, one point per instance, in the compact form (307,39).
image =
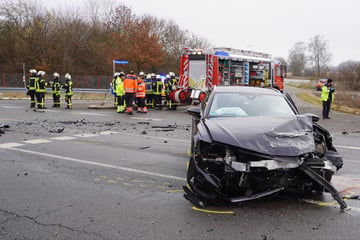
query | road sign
(121,62)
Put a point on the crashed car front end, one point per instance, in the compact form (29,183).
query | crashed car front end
(226,167)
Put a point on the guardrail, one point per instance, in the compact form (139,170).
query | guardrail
(79,90)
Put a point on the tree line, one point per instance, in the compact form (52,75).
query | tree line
(312,59)
(66,41)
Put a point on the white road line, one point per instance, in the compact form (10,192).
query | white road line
(99,164)
(108,133)
(86,135)
(148,119)
(37,141)
(10,145)
(86,113)
(11,107)
(348,147)
(63,138)
(153,137)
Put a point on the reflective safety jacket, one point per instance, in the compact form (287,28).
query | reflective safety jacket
(158,87)
(119,87)
(40,85)
(130,83)
(56,87)
(141,90)
(326,92)
(32,83)
(68,86)
(149,86)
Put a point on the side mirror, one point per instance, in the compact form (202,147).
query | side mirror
(194,111)
(314,117)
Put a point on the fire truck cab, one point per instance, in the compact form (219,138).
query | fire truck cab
(226,66)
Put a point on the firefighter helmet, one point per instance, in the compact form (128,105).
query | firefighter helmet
(116,74)
(32,71)
(121,74)
(67,76)
(56,75)
(41,73)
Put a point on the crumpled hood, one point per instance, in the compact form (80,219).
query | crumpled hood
(277,136)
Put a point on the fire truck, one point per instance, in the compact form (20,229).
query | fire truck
(225,66)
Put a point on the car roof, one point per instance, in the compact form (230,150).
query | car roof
(243,89)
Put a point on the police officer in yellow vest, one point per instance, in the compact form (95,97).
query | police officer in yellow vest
(40,90)
(327,97)
(120,92)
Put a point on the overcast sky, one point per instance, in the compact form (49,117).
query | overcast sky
(271,26)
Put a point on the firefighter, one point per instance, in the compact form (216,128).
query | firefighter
(170,85)
(141,94)
(40,90)
(120,92)
(149,82)
(56,88)
(158,91)
(130,86)
(68,86)
(31,86)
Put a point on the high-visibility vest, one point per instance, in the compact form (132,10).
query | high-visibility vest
(56,87)
(130,83)
(119,90)
(140,93)
(40,85)
(68,88)
(325,92)
(158,87)
(32,83)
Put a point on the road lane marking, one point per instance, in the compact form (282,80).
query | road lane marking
(91,114)
(212,211)
(133,170)
(148,119)
(153,137)
(348,147)
(37,141)
(63,138)
(10,145)
(86,135)
(108,133)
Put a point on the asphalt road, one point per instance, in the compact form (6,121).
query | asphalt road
(95,174)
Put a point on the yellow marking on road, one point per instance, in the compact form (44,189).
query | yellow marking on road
(126,184)
(136,181)
(212,211)
(119,178)
(162,187)
(103,177)
(174,191)
(320,203)
(112,181)
(97,179)
(144,186)
(189,152)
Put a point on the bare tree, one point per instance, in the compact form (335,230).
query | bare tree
(297,58)
(319,54)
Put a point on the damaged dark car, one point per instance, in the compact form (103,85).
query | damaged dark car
(249,143)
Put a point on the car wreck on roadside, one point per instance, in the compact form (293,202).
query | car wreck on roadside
(249,143)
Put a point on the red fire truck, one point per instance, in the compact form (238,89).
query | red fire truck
(225,66)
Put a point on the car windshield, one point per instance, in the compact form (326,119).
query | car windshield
(248,105)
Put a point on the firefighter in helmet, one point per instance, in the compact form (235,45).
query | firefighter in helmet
(158,92)
(149,83)
(68,87)
(56,88)
(31,86)
(40,90)
(141,94)
(113,87)
(130,86)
